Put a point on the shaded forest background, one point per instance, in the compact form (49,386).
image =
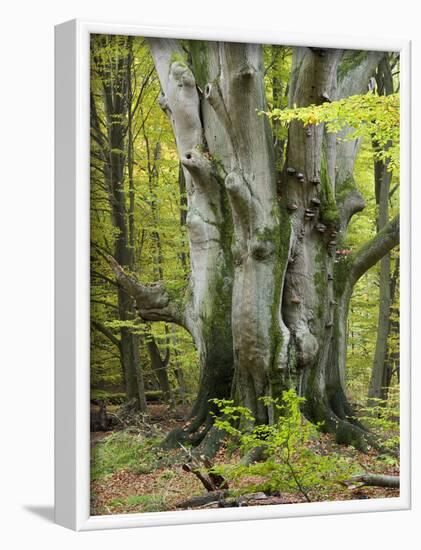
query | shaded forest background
(138,216)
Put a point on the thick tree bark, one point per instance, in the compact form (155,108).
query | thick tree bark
(322,197)
(206,308)
(233,92)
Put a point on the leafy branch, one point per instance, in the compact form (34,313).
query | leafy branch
(376,117)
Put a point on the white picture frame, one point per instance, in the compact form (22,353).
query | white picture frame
(72,435)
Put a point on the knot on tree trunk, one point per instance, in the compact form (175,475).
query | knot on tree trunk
(307,348)
(163,103)
(199,166)
(182,74)
(262,249)
(352,203)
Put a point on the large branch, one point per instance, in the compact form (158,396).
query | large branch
(152,301)
(179,93)
(180,100)
(355,79)
(374,250)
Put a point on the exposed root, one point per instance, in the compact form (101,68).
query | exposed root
(257,454)
(336,416)
(212,442)
(198,432)
(185,436)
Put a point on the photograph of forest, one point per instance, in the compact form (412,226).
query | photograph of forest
(244,274)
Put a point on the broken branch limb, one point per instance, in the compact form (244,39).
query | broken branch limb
(152,301)
(203,478)
(201,467)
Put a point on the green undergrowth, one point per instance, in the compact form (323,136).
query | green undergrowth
(148,503)
(294,460)
(381,417)
(125,451)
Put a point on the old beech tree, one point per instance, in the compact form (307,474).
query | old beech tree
(267,303)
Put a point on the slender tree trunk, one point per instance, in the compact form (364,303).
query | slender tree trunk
(377,379)
(383,179)
(183,214)
(392,359)
(159,367)
(117,96)
(178,370)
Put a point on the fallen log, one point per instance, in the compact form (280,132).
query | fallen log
(221,499)
(377,480)
(202,500)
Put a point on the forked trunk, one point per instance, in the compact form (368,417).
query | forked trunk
(268,298)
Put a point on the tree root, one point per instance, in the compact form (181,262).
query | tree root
(348,430)
(257,454)
(199,432)
(212,442)
(336,417)
(183,436)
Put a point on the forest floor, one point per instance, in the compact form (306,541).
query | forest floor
(130,475)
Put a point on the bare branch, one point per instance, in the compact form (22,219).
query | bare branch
(106,332)
(103,277)
(103,303)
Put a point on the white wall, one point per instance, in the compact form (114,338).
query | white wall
(26,184)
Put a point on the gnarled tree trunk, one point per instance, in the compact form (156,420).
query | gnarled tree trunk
(321,196)
(268,300)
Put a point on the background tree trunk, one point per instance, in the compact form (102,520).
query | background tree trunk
(383,178)
(116,95)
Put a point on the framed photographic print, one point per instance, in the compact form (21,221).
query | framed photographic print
(232,275)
